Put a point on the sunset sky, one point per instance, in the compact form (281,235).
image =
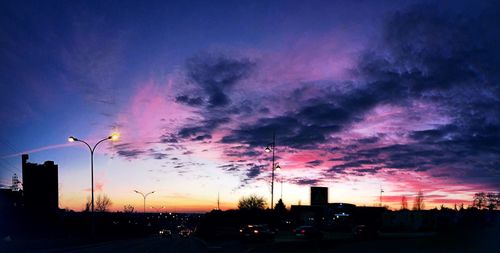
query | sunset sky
(402,96)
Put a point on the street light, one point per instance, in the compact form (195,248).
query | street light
(158,209)
(270,148)
(113,137)
(144,196)
(278,168)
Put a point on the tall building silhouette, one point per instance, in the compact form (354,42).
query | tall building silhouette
(40,185)
(319,196)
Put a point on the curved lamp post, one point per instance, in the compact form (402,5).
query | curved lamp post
(144,196)
(270,148)
(113,137)
(158,209)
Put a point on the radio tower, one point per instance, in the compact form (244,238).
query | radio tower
(218,201)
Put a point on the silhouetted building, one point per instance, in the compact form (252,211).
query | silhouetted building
(319,196)
(40,186)
(10,199)
(337,216)
(15,183)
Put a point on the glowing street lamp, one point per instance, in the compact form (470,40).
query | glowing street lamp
(158,209)
(113,137)
(144,196)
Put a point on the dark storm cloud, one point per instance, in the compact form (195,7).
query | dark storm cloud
(314,163)
(305,181)
(156,155)
(212,77)
(128,150)
(132,153)
(452,62)
(230,167)
(216,75)
(427,54)
(191,101)
(254,171)
(369,140)
(170,138)
(311,124)
(202,137)
(458,158)
(188,152)
(203,130)
(240,151)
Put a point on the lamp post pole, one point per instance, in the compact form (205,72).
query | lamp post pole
(270,148)
(144,196)
(272,176)
(92,150)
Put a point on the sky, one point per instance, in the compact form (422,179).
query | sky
(362,96)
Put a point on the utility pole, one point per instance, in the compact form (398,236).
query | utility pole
(281,197)
(272,180)
(275,166)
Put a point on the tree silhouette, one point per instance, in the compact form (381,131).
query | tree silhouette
(493,200)
(102,203)
(418,204)
(128,209)
(404,203)
(479,200)
(488,200)
(88,205)
(280,207)
(252,202)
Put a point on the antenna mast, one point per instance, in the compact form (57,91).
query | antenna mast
(218,201)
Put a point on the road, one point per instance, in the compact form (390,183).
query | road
(145,245)
(192,245)
(151,244)
(467,242)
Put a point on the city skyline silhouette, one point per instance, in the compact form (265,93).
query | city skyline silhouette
(362,97)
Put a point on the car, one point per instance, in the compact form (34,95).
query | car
(307,232)
(257,232)
(364,232)
(165,233)
(185,232)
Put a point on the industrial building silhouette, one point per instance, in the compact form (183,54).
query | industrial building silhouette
(40,186)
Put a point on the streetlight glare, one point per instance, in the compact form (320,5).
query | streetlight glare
(278,167)
(71,139)
(268,149)
(114,136)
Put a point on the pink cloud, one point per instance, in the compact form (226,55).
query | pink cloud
(151,113)
(98,187)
